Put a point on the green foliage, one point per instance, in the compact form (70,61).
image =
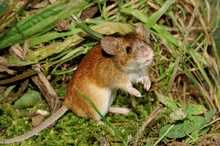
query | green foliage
(40,23)
(29,99)
(4,5)
(187,123)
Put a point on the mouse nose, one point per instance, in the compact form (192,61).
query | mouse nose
(145,53)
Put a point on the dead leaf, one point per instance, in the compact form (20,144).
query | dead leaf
(2,89)
(12,96)
(16,52)
(37,120)
(89,12)
(63,25)
(4,64)
(53,1)
(38,5)
(5,69)
(26,49)
(109,28)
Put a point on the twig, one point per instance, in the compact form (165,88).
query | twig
(47,90)
(148,120)
(184,43)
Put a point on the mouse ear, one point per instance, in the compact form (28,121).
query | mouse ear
(142,32)
(108,44)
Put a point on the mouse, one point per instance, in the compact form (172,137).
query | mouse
(117,62)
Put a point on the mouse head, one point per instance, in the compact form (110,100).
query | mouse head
(131,51)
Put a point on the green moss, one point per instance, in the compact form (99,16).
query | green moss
(73,130)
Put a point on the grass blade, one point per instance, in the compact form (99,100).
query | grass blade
(103,118)
(40,23)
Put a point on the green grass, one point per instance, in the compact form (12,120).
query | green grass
(185,71)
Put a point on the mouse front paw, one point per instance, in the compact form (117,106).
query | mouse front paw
(146,83)
(134,92)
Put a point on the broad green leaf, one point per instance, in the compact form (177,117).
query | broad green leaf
(30,98)
(198,121)
(194,109)
(210,114)
(199,129)
(204,131)
(206,120)
(178,114)
(167,101)
(178,131)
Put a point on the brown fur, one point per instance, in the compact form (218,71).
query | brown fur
(100,74)
(104,72)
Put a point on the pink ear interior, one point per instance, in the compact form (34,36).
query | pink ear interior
(108,44)
(142,32)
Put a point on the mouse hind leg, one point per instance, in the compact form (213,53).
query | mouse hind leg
(101,97)
(117,110)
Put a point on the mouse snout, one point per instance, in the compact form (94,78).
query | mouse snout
(147,56)
(145,53)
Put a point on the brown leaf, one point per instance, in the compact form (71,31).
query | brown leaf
(13,95)
(26,49)
(4,64)
(89,12)
(53,1)
(5,69)
(37,4)
(37,120)
(2,89)
(16,52)
(63,25)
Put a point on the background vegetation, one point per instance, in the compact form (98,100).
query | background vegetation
(41,45)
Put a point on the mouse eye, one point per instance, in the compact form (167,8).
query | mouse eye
(128,49)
